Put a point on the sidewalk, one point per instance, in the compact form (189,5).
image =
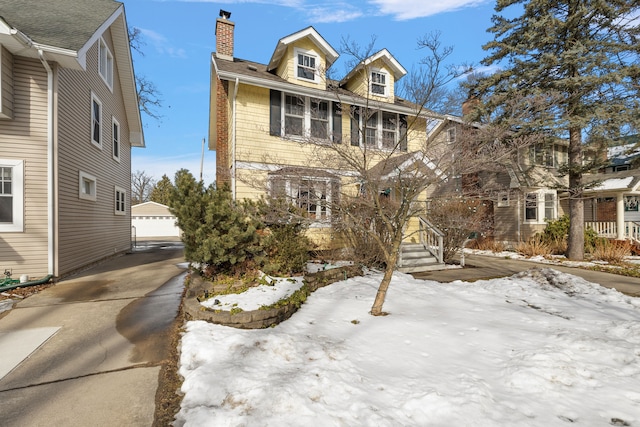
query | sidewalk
(480,267)
(88,351)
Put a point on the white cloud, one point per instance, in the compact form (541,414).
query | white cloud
(328,14)
(403,10)
(161,44)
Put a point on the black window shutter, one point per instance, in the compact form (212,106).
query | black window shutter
(275,118)
(355,126)
(337,123)
(403,132)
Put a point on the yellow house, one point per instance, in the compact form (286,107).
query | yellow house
(277,126)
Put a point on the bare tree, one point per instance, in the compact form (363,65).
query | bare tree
(382,184)
(149,97)
(141,187)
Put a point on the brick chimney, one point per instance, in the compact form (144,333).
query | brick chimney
(224,36)
(470,105)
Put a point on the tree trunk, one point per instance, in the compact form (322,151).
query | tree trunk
(575,240)
(376,309)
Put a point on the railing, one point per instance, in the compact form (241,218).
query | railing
(431,239)
(609,229)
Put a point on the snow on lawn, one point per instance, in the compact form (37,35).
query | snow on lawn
(541,348)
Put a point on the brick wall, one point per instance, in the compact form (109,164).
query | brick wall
(223,174)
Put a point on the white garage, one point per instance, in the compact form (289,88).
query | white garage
(153,220)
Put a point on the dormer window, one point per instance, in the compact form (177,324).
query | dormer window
(378,83)
(306,65)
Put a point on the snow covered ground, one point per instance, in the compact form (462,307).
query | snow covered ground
(541,348)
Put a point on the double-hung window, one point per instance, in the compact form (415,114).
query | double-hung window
(303,117)
(531,207)
(105,63)
(120,196)
(389,130)
(378,84)
(115,139)
(306,65)
(11,195)
(96,121)
(294,114)
(371,131)
(381,130)
(319,116)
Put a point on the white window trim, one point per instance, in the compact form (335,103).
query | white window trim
(115,139)
(17,192)
(122,193)
(541,206)
(385,86)
(93,191)
(311,54)
(503,199)
(95,99)
(451,134)
(105,60)
(306,120)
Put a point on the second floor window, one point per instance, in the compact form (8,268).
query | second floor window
(115,136)
(381,130)
(304,117)
(96,121)
(319,115)
(549,155)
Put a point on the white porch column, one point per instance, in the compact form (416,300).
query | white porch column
(620,216)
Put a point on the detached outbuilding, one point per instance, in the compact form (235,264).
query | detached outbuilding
(151,220)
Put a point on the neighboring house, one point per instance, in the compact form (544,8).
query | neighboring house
(153,220)
(269,121)
(530,192)
(611,205)
(68,118)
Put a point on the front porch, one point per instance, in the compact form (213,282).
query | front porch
(627,230)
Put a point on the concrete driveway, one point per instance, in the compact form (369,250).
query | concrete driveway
(88,351)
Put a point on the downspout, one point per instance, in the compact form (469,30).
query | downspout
(233,140)
(50,166)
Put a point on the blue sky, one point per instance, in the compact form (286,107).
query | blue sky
(179,39)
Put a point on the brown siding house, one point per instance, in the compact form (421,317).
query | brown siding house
(69,117)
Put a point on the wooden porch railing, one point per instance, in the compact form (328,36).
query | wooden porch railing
(609,229)
(431,238)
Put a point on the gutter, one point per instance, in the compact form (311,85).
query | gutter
(50,165)
(315,93)
(233,139)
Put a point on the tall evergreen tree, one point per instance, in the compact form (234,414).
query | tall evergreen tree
(580,55)
(161,191)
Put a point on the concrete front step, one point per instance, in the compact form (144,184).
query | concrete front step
(415,258)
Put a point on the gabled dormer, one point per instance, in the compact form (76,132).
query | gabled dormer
(303,58)
(375,77)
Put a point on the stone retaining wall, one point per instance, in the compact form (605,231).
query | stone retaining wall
(256,319)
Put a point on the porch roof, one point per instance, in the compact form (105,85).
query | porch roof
(624,181)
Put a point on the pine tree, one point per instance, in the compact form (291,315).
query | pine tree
(188,203)
(162,190)
(217,233)
(580,55)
